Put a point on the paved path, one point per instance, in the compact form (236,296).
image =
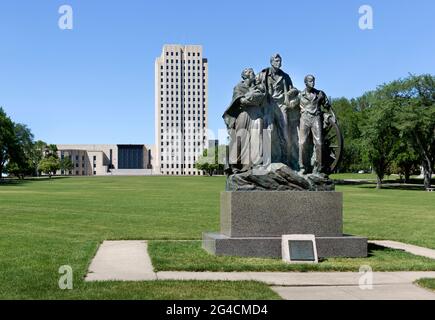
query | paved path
(324,285)
(400,291)
(299,278)
(121,260)
(129,261)
(418,251)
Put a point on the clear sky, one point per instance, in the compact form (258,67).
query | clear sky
(95,83)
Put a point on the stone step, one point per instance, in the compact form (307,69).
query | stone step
(131,172)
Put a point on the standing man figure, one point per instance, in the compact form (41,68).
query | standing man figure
(311,123)
(278,86)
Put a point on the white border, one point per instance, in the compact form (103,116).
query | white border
(286,250)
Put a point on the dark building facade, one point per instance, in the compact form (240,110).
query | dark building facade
(131,157)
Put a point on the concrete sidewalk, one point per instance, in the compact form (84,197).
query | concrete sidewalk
(416,250)
(299,278)
(324,285)
(129,261)
(121,260)
(378,292)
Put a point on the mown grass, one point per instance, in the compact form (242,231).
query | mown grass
(356,176)
(155,290)
(189,256)
(426,283)
(45,224)
(394,214)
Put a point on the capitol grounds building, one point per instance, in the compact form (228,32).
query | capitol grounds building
(108,159)
(113,159)
(181,109)
(181,121)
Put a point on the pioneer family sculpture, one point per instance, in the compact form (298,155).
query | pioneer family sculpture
(281,140)
(278,134)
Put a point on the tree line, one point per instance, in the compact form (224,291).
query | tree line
(21,156)
(390,129)
(387,130)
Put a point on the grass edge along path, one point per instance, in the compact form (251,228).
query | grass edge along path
(189,256)
(426,283)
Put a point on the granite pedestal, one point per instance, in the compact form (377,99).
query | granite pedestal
(252,224)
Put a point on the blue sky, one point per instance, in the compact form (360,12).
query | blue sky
(95,83)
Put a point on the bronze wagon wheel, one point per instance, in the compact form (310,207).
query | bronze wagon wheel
(333,145)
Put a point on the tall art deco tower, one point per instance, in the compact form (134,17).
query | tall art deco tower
(181,107)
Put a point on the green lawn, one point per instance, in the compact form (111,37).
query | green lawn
(189,256)
(401,215)
(427,283)
(357,176)
(48,223)
(152,290)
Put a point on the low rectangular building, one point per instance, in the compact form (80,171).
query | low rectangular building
(107,159)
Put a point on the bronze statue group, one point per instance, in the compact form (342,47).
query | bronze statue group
(269,121)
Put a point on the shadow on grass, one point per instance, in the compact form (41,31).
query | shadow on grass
(367,181)
(405,187)
(411,184)
(396,186)
(12,182)
(341,182)
(371,248)
(17,182)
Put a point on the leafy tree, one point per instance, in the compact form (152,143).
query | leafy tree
(9,150)
(66,164)
(19,170)
(349,118)
(49,165)
(400,128)
(211,160)
(20,155)
(51,151)
(37,155)
(364,102)
(416,117)
(407,161)
(21,165)
(205,166)
(379,138)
